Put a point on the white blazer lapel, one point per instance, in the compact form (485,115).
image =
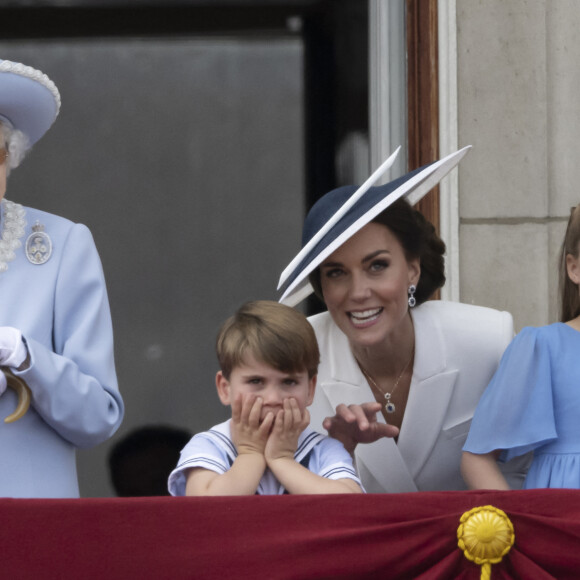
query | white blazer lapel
(431,391)
(381,459)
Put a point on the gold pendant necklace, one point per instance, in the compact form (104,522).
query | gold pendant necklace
(389,405)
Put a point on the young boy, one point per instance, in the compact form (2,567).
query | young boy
(269,358)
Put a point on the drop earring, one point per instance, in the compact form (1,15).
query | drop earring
(411,292)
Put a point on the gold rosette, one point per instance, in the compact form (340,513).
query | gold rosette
(486,535)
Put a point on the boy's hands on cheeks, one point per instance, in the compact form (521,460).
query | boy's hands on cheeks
(249,435)
(288,425)
(279,454)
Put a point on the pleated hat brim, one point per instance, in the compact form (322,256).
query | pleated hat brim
(349,212)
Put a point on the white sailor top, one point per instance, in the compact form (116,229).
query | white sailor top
(215,450)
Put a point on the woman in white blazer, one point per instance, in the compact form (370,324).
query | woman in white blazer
(400,377)
(56,340)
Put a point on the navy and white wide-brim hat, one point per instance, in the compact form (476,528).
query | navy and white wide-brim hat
(29,100)
(342,212)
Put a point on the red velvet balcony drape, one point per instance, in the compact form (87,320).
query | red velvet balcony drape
(287,537)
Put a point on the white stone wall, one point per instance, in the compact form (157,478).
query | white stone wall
(518,104)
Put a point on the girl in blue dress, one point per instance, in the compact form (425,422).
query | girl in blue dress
(533,401)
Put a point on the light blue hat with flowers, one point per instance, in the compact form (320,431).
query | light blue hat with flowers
(29,100)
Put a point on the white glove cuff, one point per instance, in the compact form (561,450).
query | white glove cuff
(19,352)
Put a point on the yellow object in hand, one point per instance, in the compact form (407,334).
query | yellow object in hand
(24,395)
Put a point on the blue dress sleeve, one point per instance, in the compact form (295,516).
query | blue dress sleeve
(516,412)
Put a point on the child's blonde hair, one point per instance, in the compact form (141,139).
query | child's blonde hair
(569,295)
(273,333)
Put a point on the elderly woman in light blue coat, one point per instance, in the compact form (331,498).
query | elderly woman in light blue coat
(56,341)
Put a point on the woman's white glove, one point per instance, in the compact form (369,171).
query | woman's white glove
(13,351)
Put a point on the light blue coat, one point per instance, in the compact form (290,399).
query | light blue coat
(61,308)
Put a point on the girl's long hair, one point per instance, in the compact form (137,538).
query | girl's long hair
(569,294)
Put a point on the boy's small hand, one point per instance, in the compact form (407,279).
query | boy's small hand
(248,434)
(288,425)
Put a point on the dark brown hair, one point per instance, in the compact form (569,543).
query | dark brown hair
(569,295)
(273,333)
(419,240)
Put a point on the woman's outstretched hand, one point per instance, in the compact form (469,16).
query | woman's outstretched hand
(354,424)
